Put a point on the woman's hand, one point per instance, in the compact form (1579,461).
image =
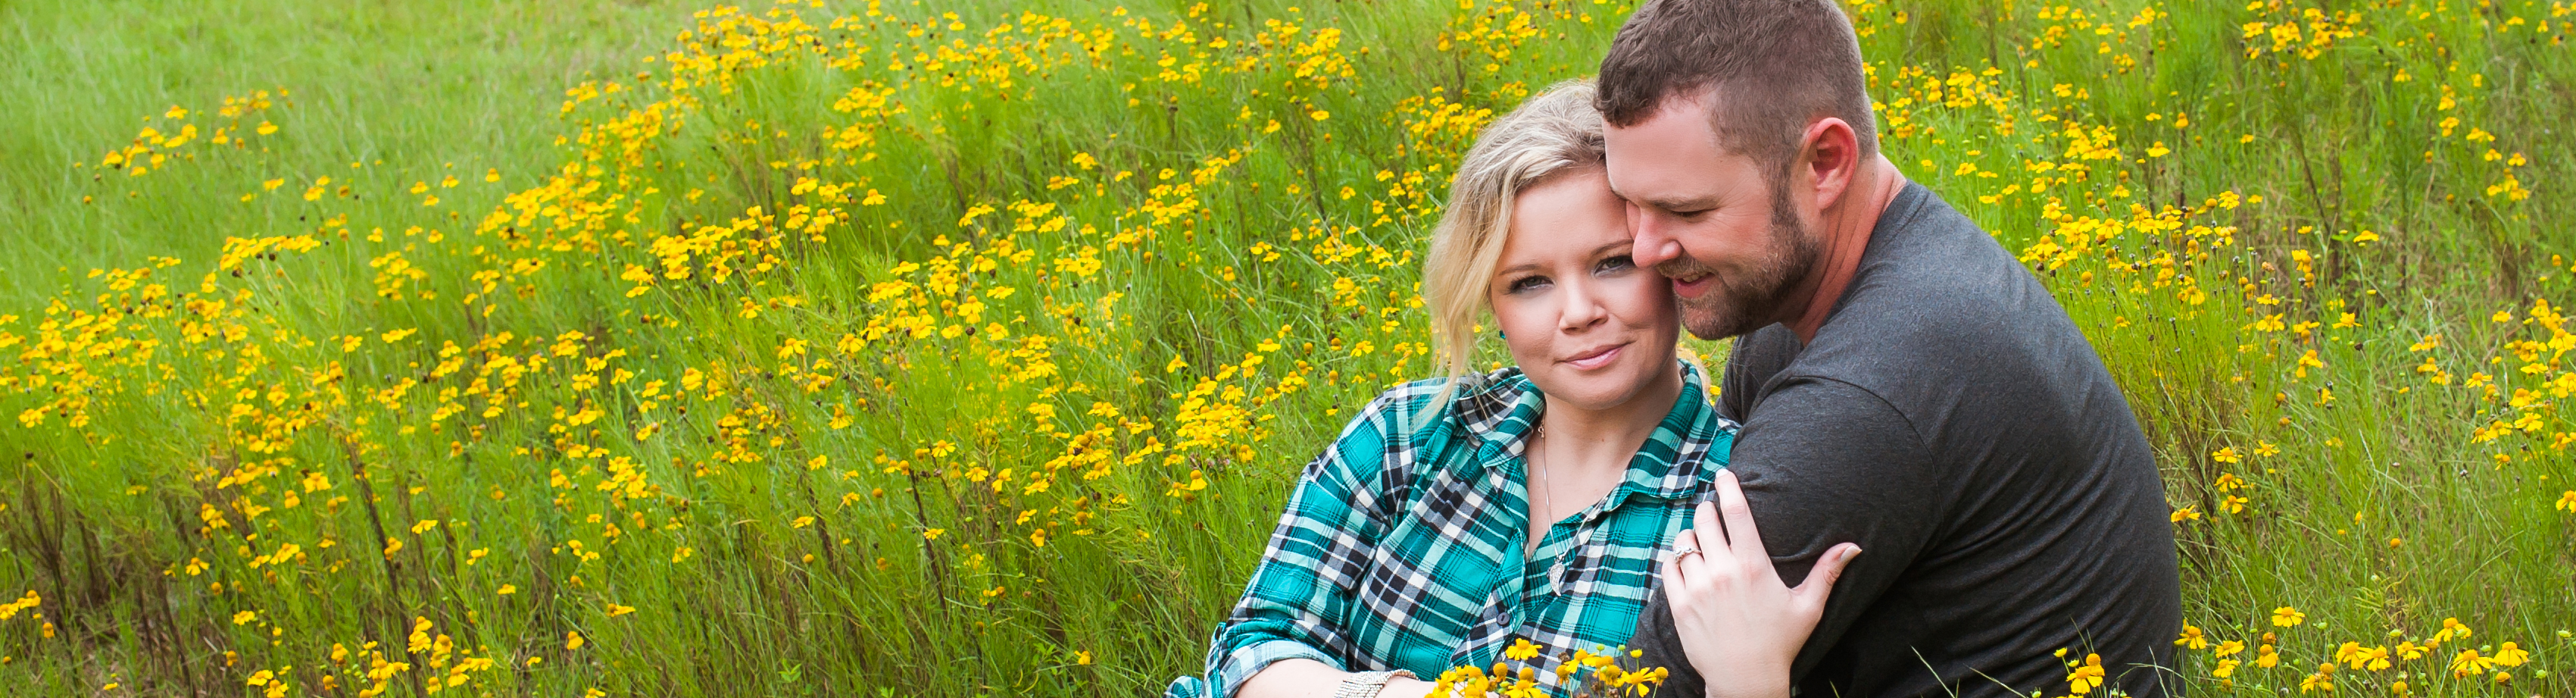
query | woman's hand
(1740,626)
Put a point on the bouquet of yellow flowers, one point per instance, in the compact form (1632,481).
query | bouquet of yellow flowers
(1593,676)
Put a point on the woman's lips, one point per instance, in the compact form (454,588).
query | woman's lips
(1596,358)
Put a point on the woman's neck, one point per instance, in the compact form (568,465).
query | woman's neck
(1592,439)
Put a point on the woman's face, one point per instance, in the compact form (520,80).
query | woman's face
(1586,323)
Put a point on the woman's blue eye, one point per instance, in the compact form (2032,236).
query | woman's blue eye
(1525,283)
(1619,263)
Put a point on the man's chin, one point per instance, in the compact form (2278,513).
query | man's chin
(1711,326)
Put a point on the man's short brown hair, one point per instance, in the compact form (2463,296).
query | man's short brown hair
(1775,66)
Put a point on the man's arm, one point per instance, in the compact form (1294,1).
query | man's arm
(1822,463)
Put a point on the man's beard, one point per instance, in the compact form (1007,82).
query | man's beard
(1749,300)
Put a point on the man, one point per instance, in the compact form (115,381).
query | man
(1903,382)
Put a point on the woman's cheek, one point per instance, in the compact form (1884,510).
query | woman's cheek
(1524,328)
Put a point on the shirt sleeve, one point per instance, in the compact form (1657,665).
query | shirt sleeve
(1822,463)
(1298,604)
(1752,362)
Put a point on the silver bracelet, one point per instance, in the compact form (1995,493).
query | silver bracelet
(1367,684)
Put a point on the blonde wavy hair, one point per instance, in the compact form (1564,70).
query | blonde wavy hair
(1554,133)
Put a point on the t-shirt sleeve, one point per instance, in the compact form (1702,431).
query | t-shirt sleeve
(1301,593)
(1753,360)
(1822,463)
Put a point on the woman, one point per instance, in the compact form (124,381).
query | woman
(1456,517)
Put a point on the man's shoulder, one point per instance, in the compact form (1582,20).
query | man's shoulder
(1953,331)
(1937,292)
(1931,264)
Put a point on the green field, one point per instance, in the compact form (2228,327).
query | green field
(835,349)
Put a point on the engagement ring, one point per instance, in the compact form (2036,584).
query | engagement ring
(1685,549)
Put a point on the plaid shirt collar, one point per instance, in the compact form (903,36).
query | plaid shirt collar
(1499,409)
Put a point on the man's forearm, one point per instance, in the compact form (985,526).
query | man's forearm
(1661,646)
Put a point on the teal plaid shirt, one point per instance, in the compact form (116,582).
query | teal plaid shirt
(1401,547)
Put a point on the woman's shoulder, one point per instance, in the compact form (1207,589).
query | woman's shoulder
(1700,394)
(1412,424)
(1413,434)
(1426,407)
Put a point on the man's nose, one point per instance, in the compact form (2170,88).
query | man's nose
(1652,244)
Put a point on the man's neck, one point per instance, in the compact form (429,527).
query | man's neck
(1845,236)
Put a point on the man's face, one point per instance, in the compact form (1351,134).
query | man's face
(1732,243)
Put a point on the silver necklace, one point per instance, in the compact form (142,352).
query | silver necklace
(1546,491)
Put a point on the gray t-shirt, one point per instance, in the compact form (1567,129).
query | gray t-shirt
(1950,419)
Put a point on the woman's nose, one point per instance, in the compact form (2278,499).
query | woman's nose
(1582,309)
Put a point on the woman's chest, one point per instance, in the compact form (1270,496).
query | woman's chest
(1453,582)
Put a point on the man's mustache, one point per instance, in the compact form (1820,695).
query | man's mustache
(1684,267)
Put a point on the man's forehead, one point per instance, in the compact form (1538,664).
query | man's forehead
(1694,101)
(1662,132)
(1672,150)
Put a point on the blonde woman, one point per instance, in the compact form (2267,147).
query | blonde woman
(1458,516)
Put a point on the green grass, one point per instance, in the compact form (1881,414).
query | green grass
(793,470)
(406,90)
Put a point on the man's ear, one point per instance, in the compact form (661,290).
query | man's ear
(1830,154)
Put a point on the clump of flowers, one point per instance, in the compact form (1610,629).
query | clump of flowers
(1612,673)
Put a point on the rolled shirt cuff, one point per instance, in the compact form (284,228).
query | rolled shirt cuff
(1239,665)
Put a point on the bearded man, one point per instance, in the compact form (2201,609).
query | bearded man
(1903,382)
